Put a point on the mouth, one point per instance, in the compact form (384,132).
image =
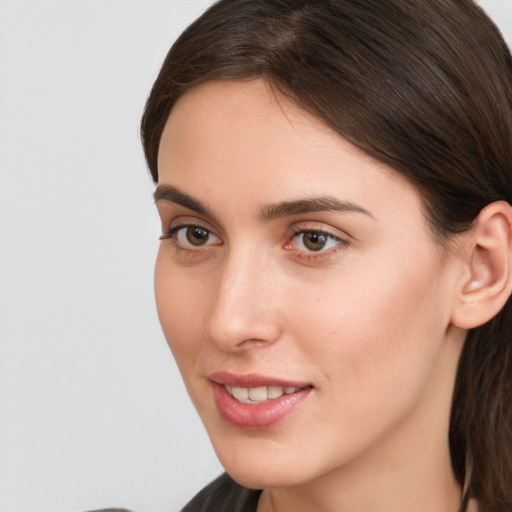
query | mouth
(256,402)
(259,394)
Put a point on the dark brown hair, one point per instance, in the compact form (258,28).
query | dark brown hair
(424,86)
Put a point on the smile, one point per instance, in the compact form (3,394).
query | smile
(255,401)
(259,394)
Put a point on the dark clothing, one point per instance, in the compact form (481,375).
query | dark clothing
(224,495)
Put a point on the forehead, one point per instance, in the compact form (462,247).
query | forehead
(244,117)
(244,141)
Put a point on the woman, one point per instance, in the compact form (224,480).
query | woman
(334,180)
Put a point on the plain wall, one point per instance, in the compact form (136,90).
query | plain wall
(92,409)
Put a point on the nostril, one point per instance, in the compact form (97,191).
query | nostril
(243,332)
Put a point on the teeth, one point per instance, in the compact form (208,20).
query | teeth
(274,391)
(259,394)
(240,394)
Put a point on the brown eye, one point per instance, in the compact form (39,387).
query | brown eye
(314,241)
(190,236)
(197,236)
(193,236)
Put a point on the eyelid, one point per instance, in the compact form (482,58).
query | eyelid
(172,223)
(318,227)
(172,232)
(343,240)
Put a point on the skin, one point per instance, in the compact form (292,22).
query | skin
(366,320)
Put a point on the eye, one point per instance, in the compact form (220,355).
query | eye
(191,236)
(314,241)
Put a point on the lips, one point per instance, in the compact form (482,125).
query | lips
(256,402)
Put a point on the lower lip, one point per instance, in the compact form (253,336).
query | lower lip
(256,416)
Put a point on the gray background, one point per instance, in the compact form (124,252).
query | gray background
(92,409)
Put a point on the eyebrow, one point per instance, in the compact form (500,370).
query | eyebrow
(269,212)
(310,205)
(171,194)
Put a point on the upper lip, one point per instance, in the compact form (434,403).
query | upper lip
(253,380)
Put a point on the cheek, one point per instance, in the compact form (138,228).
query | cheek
(375,331)
(179,308)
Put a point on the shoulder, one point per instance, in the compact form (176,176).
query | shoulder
(224,494)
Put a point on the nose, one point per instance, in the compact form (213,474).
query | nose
(244,310)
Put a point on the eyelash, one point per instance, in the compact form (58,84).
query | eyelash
(172,235)
(311,255)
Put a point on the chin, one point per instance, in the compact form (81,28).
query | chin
(269,477)
(263,464)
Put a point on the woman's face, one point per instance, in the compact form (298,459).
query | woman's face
(299,275)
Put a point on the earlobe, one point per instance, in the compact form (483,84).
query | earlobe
(487,283)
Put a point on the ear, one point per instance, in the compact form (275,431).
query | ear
(487,281)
